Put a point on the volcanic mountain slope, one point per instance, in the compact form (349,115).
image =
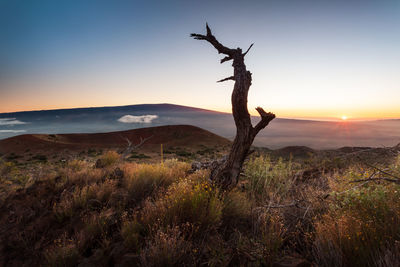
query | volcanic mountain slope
(182,139)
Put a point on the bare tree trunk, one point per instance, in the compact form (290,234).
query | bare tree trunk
(227,174)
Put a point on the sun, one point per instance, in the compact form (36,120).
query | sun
(344,117)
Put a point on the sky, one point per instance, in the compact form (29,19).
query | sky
(310,59)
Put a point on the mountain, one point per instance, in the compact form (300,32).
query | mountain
(280,133)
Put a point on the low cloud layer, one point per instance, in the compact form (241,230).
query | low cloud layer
(12,131)
(10,121)
(137,119)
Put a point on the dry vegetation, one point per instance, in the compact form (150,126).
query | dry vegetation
(138,214)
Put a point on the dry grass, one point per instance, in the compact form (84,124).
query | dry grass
(167,248)
(160,215)
(142,180)
(358,223)
(189,200)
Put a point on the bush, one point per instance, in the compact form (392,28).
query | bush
(358,223)
(76,165)
(11,174)
(63,255)
(236,210)
(96,228)
(191,200)
(167,248)
(144,179)
(107,159)
(42,158)
(269,230)
(267,180)
(80,173)
(96,195)
(132,232)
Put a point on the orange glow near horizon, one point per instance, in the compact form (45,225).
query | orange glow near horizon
(281,113)
(93,95)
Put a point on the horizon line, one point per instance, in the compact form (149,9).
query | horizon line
(306,118)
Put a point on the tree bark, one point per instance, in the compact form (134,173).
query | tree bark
(227,174)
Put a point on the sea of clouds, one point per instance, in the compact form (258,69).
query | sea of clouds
(137,119)
(12,131)
(10,121)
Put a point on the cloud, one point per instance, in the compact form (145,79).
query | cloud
(137,119)
(12,131)
(10,121)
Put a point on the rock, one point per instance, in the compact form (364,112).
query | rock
(197,165)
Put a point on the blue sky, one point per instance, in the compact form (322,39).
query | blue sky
(310,58)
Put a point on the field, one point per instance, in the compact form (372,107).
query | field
(293,207)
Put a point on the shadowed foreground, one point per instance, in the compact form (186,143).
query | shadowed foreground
(326,211)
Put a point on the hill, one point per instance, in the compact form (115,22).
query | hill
(177,140)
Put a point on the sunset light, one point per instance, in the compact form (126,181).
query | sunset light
(127,132)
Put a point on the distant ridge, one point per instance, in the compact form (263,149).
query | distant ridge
(280,133)
(172,135)
(138,107)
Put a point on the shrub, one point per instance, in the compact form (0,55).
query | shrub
(167,248)
(107,159)
(70,204)
(42,158)
(236,209)
(132,232)
(191,200)
(76,165)
(79,173)
(139,156)
(6,168)
(388,257)
(142,180)
(269,230)
(63,255)
(268,180)
(358,223)
(11,174)
(97,228)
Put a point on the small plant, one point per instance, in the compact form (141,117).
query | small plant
(139,156)
(237,209)
(97,228)
(76,165)
(191,200)
(132,233)
(63,254)
(13,156)
(167,248)
(91,152)
(143,180)
(96,195)
(269,229)
(183,153)
(268,180)
(107,159)
(42,158)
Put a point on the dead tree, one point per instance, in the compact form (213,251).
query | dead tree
(131,148)
(227,173)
